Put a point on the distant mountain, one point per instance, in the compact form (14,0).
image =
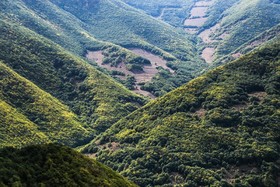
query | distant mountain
(220,129)
(170,11)
(54,165)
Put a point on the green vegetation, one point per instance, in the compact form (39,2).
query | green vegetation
(54,165)
(115,55)
(130,28)
(265,38)
(243,21)
(170,11)
(30,115)
(85,90)
(220,129)
(73,26)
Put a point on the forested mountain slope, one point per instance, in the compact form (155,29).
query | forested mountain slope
(54,165)
(236,22)
(220,129)
(30,115)
(82,26)
(246,20)
(265,38)
(86,91)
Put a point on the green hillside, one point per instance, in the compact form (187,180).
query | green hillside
(30,115)
(95,98)
(220,129)
(73,25)
(16,129)
(265,38)
(54,165)
(241,21)
(118,23)
(170,11)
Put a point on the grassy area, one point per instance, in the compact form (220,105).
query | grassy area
(73,26)
(220,129)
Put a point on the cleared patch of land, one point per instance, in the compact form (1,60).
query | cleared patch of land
(197,16)
(156,61)
(205,35)
(196,22)
(199,11)
(149,71)
(208,54)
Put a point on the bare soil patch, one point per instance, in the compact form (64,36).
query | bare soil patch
(205,35)
(208,54)
(149,71)
(260,95)
(199,11)
(197,22)
(200,112)
(236,55)
(156,61)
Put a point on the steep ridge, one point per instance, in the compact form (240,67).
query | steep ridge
(95,98)
(32,116)
(54,165)
(220,129)
(16,129)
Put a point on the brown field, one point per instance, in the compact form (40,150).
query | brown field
(155,60)
(195,22)
(149,70)
(205,35)
(208,54)
(199,11)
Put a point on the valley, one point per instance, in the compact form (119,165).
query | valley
(150,93)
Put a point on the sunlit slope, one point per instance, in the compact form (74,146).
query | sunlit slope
(116,22)
(32,116)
